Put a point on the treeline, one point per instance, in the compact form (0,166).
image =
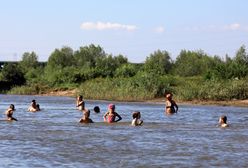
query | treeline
(98,75)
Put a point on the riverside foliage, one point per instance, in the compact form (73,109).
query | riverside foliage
(194,75)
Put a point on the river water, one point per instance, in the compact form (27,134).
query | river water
(54,138)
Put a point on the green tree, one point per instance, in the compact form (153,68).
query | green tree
(29,61)
(159,62)
(191,63)
(87,56)
(12,73)
(126,70)
(61,58)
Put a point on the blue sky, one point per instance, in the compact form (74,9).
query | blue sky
(134,28)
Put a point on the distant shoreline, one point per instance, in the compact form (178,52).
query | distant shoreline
(239,103)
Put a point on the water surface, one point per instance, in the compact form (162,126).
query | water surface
(54,138)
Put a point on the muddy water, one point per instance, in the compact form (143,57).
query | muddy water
(54,138)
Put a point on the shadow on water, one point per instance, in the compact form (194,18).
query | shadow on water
(54,138)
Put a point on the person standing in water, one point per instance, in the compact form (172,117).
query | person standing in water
(170,105)
(136,119)
(86,118)
(9,113)
(111,115)
(223,121)
(33,107)
(80,103)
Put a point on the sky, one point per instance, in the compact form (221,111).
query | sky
(133,28)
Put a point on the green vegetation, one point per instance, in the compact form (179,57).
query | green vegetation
(194,75)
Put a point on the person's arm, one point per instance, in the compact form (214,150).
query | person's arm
(79,103)
(176,106)
(104,117)
(119,117)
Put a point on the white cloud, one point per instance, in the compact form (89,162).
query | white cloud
(159,29)
(234,26)
(106,26)
(218,28)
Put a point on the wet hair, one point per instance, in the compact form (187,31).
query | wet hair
(97,109)
(136,114)
(223,118)
(12,106)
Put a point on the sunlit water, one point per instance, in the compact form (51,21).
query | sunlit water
(54,138)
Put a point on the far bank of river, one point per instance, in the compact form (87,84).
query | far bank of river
(241,103)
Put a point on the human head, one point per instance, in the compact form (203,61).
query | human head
(136,114)
(111,107)
(169,96)
(12,107)
(33,101)
(222,119)
(97,109)
(80,97)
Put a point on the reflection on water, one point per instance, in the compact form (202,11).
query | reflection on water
(53,137)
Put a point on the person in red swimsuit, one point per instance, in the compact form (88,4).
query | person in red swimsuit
(111,115)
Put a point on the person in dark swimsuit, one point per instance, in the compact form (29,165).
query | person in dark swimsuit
(111,115)
(170,105)
(9,113)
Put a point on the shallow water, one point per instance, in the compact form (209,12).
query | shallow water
(54,138)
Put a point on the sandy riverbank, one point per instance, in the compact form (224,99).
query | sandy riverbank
(241,103)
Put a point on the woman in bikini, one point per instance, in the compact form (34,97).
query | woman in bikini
(170,105)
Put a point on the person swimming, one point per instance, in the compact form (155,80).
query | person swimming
(136,119)
(86,118)
(9,113)
(96,109)
(80,103)
(170,105)
(111,115)
(34,107)
(223,121)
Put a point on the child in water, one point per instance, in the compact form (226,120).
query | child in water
(96,109)
(111,115)
(33,107)
(170,105)
(136,119)
(80,103)
(223,121)
(9,112)
(86,118)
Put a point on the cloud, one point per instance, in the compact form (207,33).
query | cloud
(234,26)
(159,29)
(218,28)
(107,26)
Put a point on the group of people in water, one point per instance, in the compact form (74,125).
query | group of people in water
(111,116)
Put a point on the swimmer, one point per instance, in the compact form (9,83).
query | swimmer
(97,109)
(80,103)
(223,121)
(170,105)
(111,115)
(9,112)
(33,107)
(86,118)
(136,119)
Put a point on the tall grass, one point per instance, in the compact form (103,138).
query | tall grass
(213,90)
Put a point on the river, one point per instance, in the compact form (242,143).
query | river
(54,138)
